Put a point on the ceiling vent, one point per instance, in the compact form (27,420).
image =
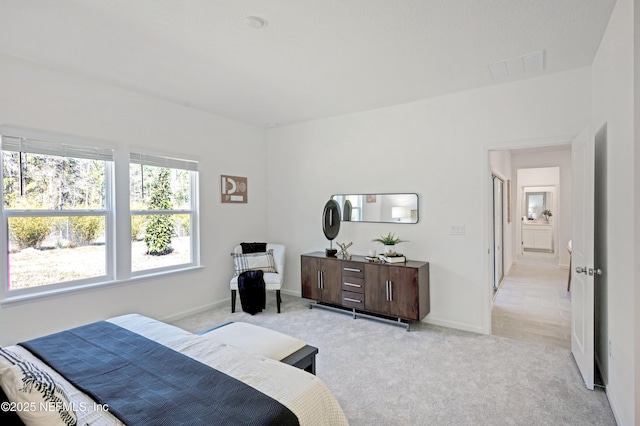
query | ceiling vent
(533,62)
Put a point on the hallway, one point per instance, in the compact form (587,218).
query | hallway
(533,304)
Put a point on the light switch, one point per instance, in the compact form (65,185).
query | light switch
(457,230)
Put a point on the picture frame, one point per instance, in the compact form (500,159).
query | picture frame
(234,189)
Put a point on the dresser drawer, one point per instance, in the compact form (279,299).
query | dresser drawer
(352,269)
(353,300)
(353,284)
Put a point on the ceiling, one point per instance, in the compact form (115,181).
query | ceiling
(314,58)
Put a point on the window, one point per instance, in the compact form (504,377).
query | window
(56,204)
(59,218)
(162,204)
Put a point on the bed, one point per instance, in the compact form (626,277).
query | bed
(301,393)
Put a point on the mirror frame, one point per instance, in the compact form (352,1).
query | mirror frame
(367,195)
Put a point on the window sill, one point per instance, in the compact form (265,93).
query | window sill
(45,294)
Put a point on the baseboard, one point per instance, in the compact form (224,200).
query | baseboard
(225,302)
(433,321)
(509,266)
(194,311)
(614,409)
(455,325)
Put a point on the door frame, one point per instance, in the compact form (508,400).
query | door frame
(495,175)
(487,290)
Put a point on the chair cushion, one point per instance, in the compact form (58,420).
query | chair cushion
(264,261)
(272,281)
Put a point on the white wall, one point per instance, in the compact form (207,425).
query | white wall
(436,148)
(40,98)
(613,105)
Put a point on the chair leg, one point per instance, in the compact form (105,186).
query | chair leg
(569,280)
(233,301)
(278,299)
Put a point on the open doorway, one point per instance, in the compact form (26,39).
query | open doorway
(532,302)
(534,271)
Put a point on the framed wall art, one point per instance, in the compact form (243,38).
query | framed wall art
(233,189)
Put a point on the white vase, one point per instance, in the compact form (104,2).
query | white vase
(389,249)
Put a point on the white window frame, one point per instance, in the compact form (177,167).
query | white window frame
(116,212)
(70,149)
(136,157)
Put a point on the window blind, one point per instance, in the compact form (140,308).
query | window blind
(12,143)
(170,163)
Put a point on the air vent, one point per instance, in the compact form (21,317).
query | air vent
(533,62)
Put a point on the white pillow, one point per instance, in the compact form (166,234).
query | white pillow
(254,261)
(38,398)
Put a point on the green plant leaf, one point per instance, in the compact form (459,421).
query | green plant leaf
(389,240)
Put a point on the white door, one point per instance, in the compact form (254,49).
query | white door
(582,300)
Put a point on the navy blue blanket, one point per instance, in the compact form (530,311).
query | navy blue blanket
(145,383)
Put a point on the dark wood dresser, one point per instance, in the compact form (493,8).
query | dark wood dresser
(396,292)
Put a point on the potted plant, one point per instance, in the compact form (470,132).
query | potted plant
(389,241)
(547,214)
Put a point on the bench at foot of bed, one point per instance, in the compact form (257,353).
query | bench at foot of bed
(265,342)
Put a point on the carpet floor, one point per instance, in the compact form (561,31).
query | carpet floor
(384,375)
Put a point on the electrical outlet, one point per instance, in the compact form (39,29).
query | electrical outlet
(457,230)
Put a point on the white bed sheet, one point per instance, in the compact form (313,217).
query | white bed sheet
(304,394)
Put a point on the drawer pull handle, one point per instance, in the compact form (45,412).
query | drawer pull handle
(348,299)
(352,270)
(352,285)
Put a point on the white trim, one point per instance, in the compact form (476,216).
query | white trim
(194,311)
(116,205)
(455,325)
(48,293)
(153,212)
(194,230)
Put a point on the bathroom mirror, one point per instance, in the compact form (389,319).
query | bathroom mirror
(385,208)
(536,203)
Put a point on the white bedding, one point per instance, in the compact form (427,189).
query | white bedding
(304,394)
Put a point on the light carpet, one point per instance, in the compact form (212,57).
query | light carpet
(384,375)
